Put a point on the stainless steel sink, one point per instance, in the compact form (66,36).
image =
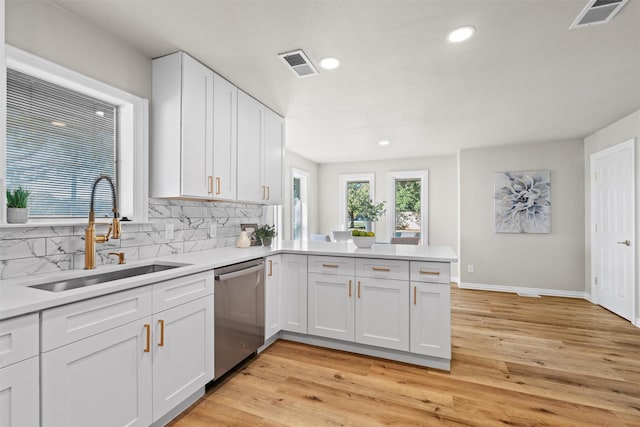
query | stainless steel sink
(81,282)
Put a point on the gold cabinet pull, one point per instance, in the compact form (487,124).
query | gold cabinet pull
(268,192)
(147,327)
(358,288)
(349,288)
(431,273)
(264,192)
(161,343)
(270,268)
(381,269)
(218,185)
(415,295)
(330,265)
(210,184)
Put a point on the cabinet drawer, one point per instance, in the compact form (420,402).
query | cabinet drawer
(18,339)
(332,265)
(382,268)
(432,272)
(181,290)
(72,322)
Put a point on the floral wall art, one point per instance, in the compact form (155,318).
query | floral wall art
(523,202)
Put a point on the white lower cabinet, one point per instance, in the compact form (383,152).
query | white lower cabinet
(293,291)
(431,319)
(134,373)
(272,297)
(382,313)
(331,306)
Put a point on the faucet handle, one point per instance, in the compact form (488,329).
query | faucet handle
(117,228)
(120,256)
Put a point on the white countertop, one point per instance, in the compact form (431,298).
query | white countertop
(17,298)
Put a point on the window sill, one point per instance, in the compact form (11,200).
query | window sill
(34,223)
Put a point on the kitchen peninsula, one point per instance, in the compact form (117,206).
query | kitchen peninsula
(389,301)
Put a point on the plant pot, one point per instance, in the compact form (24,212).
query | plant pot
(17,215)
(367,225)
(266,241)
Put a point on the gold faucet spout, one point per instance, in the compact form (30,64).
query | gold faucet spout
(90,238)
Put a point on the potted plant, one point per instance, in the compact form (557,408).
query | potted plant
(371,212)
(265,233)
(17,201)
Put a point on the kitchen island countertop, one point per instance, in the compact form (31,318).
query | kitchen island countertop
(18,298)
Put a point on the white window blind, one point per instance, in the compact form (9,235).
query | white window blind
(58,142)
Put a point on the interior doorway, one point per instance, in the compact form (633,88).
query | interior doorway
(613,229)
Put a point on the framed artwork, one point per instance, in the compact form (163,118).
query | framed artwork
(250,228)
(522,202)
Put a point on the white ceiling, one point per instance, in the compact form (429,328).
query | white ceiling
(523,78)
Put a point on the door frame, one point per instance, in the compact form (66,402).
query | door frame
(593,158)
(303,176)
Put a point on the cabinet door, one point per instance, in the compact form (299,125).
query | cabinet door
(331,305)
(225,126)
(272,154)
(182,353)
(19,394)
(103,380)
(431,319)
(272,301)
(382,313)
(250,127)
(197,129)
(293,293)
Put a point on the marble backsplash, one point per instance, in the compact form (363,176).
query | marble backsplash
(35,250)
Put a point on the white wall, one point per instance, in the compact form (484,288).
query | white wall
(442,195)
(293,160)
(616,133)
(44,29)
(554,261)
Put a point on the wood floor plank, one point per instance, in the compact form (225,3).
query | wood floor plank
(516,361)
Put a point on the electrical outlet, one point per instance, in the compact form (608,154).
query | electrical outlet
(470,268)
(168,231)
(213,230)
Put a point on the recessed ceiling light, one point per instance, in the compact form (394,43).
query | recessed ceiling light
(461,34)
(329,63)
(59,124)
(383,143)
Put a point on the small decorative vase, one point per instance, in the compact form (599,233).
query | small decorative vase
(266,241)
(367,225)
(17,215)
(243,240)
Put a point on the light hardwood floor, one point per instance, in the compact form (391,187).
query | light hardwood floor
(517,361)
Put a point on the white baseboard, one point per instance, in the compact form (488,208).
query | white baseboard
(637,324)
(455,280)
(523,290)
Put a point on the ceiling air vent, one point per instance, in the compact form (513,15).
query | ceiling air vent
(597,12)
(299,63)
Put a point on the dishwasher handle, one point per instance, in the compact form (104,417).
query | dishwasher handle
(233,274)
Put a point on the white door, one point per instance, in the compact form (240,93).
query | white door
(103,380)
(272,299)
(197,128)
(273,145)
(613,228)
(431,319)
(250,131)
(382,313)
(294,293)
(331,306)
(182,353)
(225,125)
(19,394)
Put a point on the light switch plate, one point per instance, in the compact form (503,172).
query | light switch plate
(168,231)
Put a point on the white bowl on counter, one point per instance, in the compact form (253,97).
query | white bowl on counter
(364,242)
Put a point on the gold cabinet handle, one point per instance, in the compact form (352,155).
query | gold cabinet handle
(415,295)
(349,288)
(268,192)
(330,265)
(381,269)
(161,343)
(264,192)
(210,184)
(270,268)
(147,327)
(218,185)
(431,273)
(358,288)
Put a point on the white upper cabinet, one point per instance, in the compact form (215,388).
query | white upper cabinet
(209,140)
(225,125)
(260,152)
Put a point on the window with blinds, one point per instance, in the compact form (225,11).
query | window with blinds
(58,142)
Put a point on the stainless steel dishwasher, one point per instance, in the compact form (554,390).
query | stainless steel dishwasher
(239,313)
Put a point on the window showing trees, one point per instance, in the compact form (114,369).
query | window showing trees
(408,209)
(356,190)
